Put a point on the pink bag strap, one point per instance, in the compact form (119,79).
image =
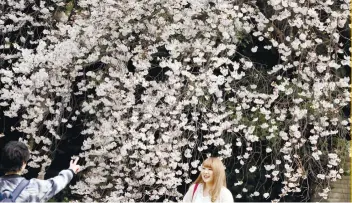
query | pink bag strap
(194,190)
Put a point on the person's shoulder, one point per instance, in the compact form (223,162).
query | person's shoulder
(193,186)
(223,188)
(10,180)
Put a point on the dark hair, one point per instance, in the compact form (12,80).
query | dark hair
(13,155)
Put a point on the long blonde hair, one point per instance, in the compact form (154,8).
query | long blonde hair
(219,177)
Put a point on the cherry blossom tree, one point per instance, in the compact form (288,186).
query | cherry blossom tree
(159,85)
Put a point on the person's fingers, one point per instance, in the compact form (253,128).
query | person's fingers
(71,162)
(76,161)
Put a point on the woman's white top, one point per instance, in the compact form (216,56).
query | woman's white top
(224,197)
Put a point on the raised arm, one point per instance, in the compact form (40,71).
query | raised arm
(48,188)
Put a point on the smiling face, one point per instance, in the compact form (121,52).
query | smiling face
(207,174)
(212,174)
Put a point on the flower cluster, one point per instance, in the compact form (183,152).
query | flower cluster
(162,82)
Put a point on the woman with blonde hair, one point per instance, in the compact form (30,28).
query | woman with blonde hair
(210,186)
